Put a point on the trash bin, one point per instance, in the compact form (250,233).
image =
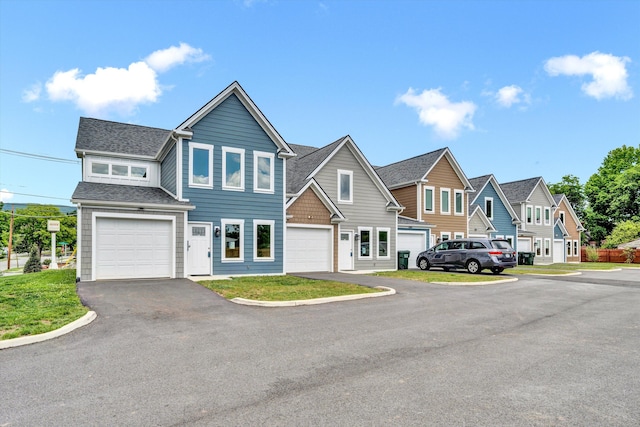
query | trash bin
(526,258)
(403,260)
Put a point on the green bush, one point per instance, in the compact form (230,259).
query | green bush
(33,264)
(630,255)
(592,254)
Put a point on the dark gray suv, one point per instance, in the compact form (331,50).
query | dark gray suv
(472,254)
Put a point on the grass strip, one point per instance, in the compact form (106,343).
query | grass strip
(282,288)
(442,276)
(36,303)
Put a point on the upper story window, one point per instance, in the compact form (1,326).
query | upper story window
(488,207)
(529,214)
(428,200)
(561,216)
(200,165)
(345,186)
(445,201)
(263,176)
(119,170)
(458,202)
(547,216)
(538,215)
(232,168)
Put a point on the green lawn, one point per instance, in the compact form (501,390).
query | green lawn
(564,268)
(282,288)
(442,276)
(38,302)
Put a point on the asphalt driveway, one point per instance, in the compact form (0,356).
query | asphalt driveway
(540,351)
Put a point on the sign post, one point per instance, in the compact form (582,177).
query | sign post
(53,227)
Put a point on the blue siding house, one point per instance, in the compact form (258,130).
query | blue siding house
(496,208)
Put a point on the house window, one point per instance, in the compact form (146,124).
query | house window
(547,216)
(232,168)
(100,168)
(488,207)
(538,215)
(345,186)
(200,165)
(561,216)
(119,170)
(233,241)
(263,232)
(263,172)
(445,235)
(383,243)
(138,172)
(428,200)
(509,239)
(547,247)
(529,214)
(458,235)
(538,246)
(365,243)
(458,196)
(568,247)
(445,202)
(575,248)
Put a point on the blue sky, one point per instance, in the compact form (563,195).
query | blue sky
(517,89)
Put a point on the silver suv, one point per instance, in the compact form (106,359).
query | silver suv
(472,254)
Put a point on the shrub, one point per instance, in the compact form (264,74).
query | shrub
(46,261)
(630,255)
(592,254)
(33,264)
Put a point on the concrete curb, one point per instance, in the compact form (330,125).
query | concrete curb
(493,282)
(577,273)
(295,303)
(32,339)
(611,269)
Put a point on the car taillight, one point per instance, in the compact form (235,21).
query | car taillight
(495,252)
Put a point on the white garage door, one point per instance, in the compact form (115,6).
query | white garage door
(308,249)
(412,242)
(133,248)
(524,245)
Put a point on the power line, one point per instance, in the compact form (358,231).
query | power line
(36,195)
(62,216)
(39,157)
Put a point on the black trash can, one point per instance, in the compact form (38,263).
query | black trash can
(403,260)
(526,258)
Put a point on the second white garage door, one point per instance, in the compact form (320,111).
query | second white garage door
(128,248)
(308,249)
(412,242)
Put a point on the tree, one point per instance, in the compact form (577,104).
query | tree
(570,186)
(624,232)
(613,192)
(33,264)
(30,227)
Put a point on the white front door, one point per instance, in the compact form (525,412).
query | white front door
(199,249)
(558,251)
(345,251)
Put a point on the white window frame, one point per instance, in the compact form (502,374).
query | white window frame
(561,216)
(538,246)
(547,247)
(433,199)
(457,235)
(528,219)
(271,224)
(110,173)
(232,150)
(510,239)
(223,241)
(371,243)
(206,147)
(569,247)
(538,215)
(444,234)
(547,215)
(576,248)
(448,191)
(455,206)
(388,231)
(257,155)
(488,199)
(348,173)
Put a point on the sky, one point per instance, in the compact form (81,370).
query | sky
(514,88)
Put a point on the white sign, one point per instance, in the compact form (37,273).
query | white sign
(53,226)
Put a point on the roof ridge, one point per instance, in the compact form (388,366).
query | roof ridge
(411,158)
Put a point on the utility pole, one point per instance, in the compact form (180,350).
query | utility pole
(10,237)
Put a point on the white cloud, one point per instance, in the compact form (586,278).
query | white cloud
(165,59)
(509,95)
(5,195)
(434,109)
(33,93)
(608,72)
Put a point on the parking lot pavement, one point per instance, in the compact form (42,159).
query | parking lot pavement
(540,351)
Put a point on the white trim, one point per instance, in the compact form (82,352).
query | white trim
(576,248)
(350,175)
(433,199)
(233,150)
(458,235)
(96,215)
(272,224)
(448,211)
(179,180)
(256,157)
(537,218)
(547,215)
(488,199)
(79,242)
(527,219)
(388,230)
(547,247)
(223,239)
(371,242)
(206,147)
(511,239)
(443,234)
(562,216)
(455,206)
(538,248)
(186,238)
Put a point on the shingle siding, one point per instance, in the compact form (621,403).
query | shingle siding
(168,171)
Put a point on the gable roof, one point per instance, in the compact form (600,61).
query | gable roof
(304,167)
(312,184)
(480,182)
(558,224)
(521,191)
(413,170)
(106,137)
(558,198)
(476,210)
(237,90)
(126,195)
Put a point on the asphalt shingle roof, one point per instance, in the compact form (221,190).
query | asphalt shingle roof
(119,138)
(95,191)
(519,191)
(409,170)
(307,160)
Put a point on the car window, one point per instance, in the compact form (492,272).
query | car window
(455,245)
(500,244)
(476,245)
(442,246)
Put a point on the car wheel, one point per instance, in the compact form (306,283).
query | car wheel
(473,266)
(424,264)
(497,270)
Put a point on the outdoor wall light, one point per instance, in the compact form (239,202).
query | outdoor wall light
(356,236)
(216,231)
